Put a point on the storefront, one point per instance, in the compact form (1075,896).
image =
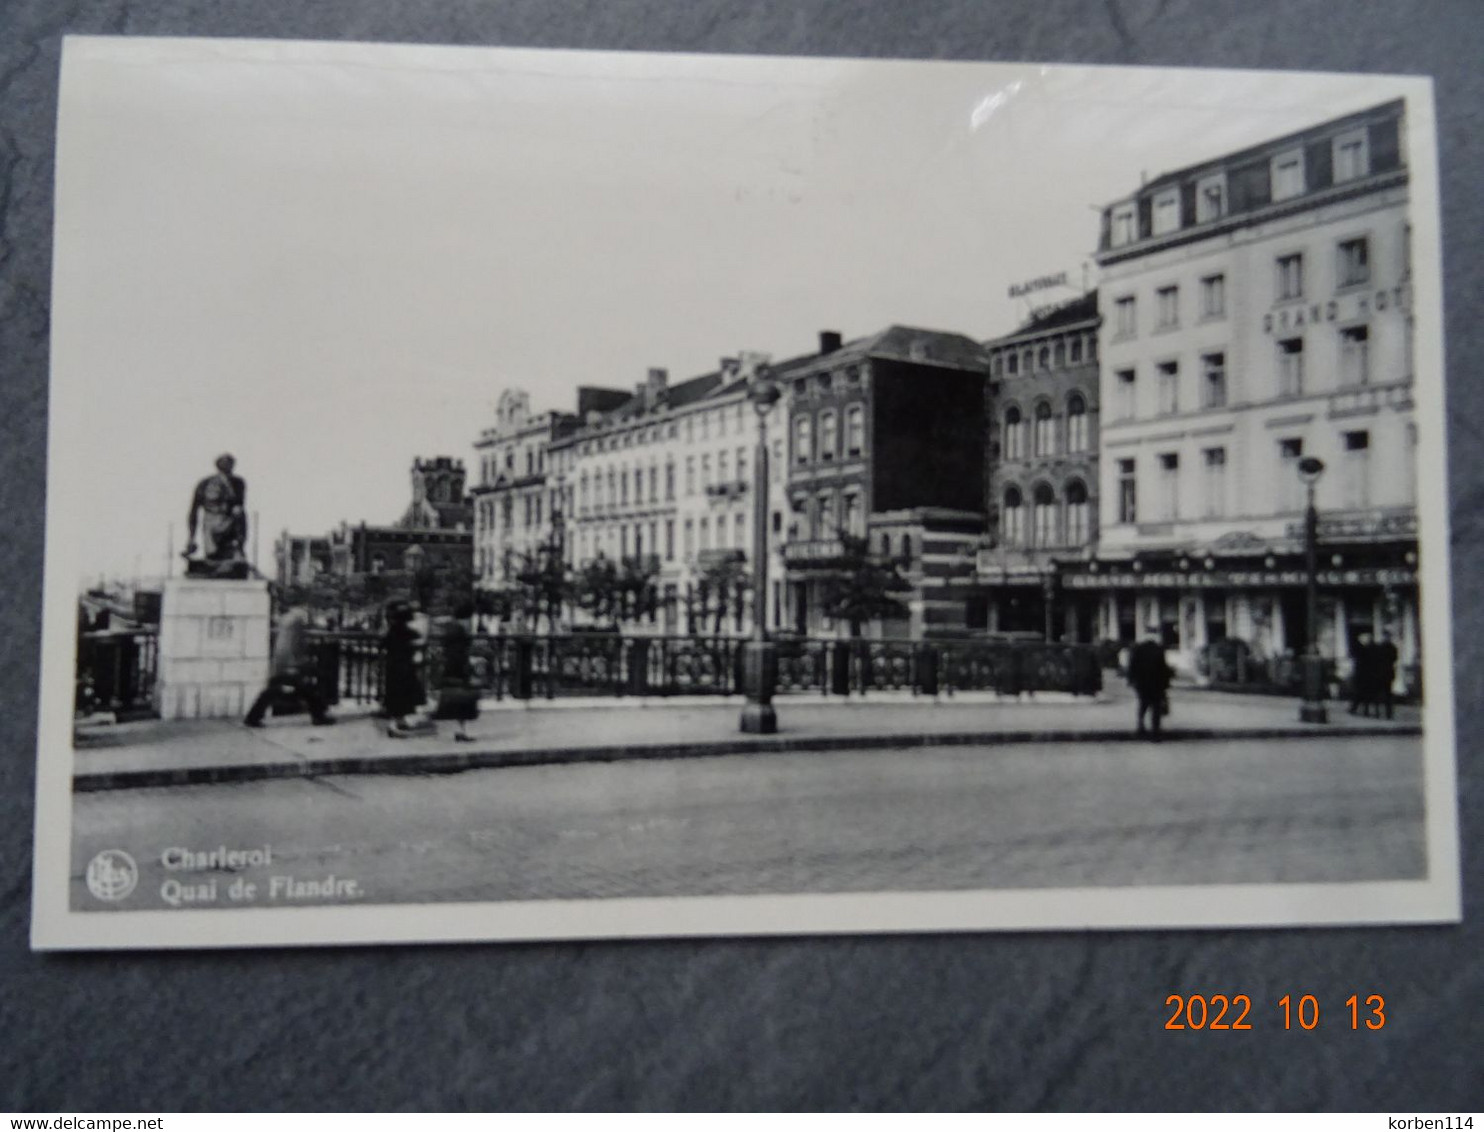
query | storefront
(1260,600)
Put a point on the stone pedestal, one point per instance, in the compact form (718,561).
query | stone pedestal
(213,657)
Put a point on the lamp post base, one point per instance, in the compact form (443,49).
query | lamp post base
(1312,710)
(1313,713)
(759,679)
(759,719)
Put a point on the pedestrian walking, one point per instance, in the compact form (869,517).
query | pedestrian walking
(458,695)
(402,693)
(291,673)
(1384,658)
(1149,675)
(1362,675)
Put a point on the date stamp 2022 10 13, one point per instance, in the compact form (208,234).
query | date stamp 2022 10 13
(1234,1012)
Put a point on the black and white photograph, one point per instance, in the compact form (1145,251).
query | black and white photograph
(502,494)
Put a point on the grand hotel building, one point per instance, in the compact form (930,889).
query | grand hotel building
(1257,310)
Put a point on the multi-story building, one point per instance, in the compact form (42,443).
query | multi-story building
(664,480)
(1043,471)
(436,530)
(519,502)
(1257,310)
(886,441)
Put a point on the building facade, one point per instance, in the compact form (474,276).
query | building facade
(1043,472)
(1257,310)
(885,442)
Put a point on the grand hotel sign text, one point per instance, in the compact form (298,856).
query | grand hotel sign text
(1345,308)
(1238,579)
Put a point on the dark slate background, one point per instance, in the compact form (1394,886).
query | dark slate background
(1030,1021)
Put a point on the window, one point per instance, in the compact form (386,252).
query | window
(721,468)
(669,540)
(1357,480)
(690,475)
(855,430)
(690,538)
(827,516)
(1290,277)
(741,465)
(1043,358)
(1122,230)
(827,435)
(378,564)
(1043,516)
(1012,363)
(1351,158)
(705,426)
(1012,523)
(1076,513)
(1166,209)
(998,366)
(1124,325)
(1169,387)
(1290,487)
(1059,353)
(654,483)
(803,440)
(1045,430)
(1213,381)
(1125,393)
(1213,296)
(1169,485)
(1210,198)
(852,514)
(1128,493)
(1291,367)
(1288,174)
(1355,355)
(1074,350)
(739,532)
(1014,434)
(669,480)
(705,470)
(1355,263)
(1167,308)
(1215,461)
(1076,423)
(705,542)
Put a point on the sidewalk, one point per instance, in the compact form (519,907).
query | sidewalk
(186,752)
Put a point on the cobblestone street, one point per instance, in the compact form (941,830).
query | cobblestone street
(1010,816)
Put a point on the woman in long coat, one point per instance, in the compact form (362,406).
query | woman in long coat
(458,696)
(403,692)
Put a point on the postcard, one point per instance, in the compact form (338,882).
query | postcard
(507,494)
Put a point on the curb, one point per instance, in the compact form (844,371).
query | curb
(456,761)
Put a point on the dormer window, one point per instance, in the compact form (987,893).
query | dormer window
(1166,211)
(1288,174)
(1351,156)
(1123,229)
(1210,199)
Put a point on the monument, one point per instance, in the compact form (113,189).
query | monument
(214,622)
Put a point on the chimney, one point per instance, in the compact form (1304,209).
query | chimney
(654,386)
(829,341)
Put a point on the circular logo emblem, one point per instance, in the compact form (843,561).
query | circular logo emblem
(112,875)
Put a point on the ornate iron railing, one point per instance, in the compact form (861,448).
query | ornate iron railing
(530,667)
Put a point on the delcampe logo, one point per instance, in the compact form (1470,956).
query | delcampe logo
(112,875)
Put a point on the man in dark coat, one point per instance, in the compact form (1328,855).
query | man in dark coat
(1149,675)
(1362,675)
(1383,673)
(292,673)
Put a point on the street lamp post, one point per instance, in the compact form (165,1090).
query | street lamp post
(1312,710)
(760,655)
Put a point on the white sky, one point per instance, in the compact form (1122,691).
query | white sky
(330,258)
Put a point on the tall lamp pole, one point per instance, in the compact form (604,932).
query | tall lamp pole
(760,655)
(1312,710)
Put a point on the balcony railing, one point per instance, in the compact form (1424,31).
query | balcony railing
(813,552)
(116,671)
(731,489)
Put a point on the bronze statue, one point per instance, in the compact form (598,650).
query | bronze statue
(219,502)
